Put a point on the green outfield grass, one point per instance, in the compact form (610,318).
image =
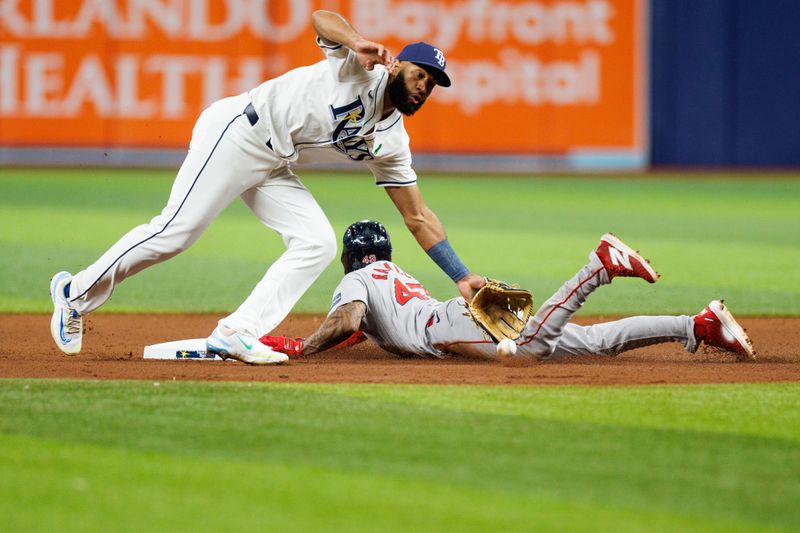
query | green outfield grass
(709,237)
(86,456)
(134,456)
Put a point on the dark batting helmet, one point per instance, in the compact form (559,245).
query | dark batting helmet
(363,243)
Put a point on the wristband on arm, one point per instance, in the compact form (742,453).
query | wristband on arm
(444,256)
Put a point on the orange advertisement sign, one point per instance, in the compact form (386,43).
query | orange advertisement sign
(529,77)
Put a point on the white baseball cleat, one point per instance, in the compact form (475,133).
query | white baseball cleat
(619,259)
(66,325)
(716,327)
(243,348)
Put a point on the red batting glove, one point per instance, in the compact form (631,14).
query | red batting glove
(289,346)
(352,340)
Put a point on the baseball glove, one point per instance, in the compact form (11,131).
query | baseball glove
(501,310)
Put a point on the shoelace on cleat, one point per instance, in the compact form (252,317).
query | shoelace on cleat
(73,323)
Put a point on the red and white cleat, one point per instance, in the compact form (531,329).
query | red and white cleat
(716,327)
(619,259)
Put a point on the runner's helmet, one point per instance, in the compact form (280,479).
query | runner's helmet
(365,242)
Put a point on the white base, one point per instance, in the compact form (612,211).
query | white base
(188,349)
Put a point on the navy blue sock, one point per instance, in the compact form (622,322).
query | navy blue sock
(66,290)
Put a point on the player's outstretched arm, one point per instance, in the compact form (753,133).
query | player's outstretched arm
(334,28)
(338,328)
(429,233)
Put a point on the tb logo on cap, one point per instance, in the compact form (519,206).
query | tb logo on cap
(439,57)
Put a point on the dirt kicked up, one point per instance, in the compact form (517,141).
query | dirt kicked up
(113,345)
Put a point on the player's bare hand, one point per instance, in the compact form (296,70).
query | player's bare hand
(469,285)
(370,54)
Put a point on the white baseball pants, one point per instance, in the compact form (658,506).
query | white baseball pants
(228,158)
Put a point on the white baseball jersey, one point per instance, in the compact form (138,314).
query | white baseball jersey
(332,110)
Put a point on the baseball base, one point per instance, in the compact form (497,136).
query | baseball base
(189,349)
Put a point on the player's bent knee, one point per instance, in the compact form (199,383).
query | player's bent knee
(328,248)
(181,241)
(321,249)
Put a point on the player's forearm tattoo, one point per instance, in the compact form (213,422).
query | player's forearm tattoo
(337,327)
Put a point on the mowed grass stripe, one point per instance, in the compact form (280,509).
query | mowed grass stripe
(740,409)
(638,451)
(90,488)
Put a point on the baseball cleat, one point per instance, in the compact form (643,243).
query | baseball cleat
(66,325)
(242,348)
(716,327)
(621,260)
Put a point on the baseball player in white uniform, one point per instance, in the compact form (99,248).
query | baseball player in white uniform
(349,105)
(395,311)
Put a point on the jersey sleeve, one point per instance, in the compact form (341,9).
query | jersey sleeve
(343,62)
(351,289)
(392,163)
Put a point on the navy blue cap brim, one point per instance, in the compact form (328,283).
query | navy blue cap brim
(439,75)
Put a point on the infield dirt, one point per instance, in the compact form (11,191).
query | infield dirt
(113,345)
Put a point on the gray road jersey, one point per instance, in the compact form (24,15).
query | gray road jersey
(398,307)
(402,318)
